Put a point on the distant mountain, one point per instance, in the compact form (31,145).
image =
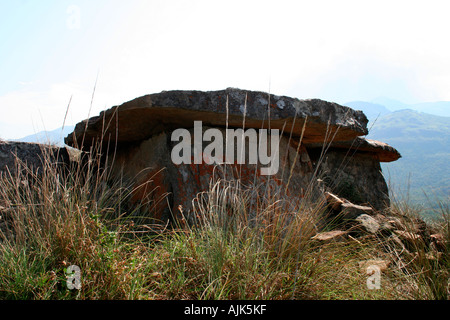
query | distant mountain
(55,137)
(391,104)
(424,142)
(441,108)
(371,110)
(438,108)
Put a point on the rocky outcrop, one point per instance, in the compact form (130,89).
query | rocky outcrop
(318,139)
(353,175)
(32,155)
(401,238)
(379,150)
(330,236)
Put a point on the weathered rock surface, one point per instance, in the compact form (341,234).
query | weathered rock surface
(352,175)
(141,118)
(156,176)
(382,264)
(352,211)
(33,155)
(27,162)
(140,131)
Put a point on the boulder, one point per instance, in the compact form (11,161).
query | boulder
(379,150)
(368,223)
(32,155)
(141,132)
(352,211)
(353,175)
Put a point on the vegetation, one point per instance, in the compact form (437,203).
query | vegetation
(53,219)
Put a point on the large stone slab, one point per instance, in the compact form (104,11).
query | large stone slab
(352,175)
(171,189)
(143,117)
(379,150)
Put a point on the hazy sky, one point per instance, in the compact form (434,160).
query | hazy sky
(340,51)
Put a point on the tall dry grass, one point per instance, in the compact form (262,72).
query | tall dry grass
(59,216)
(247,243)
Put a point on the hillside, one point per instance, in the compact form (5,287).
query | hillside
(371,110)
(437,108)
(424,142)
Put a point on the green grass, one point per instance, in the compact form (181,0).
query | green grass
(56,219)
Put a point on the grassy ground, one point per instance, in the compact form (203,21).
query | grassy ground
(51,221)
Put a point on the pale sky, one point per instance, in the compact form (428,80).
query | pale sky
(339,51)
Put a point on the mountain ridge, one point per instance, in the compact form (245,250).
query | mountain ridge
(55,136)
(439,108)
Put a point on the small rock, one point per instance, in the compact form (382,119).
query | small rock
(380,218)
(382,264)
(331,236)
(438,242)
(394,243)
(387,225)
(437,237)
(369,223)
